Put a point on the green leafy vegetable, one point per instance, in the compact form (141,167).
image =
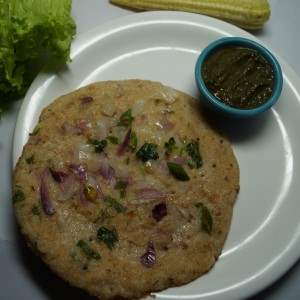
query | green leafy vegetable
(133,141)
(170,146)
(113,139)
(121,185)
(126,118)
(205,218)
(87,250)
(99,145)
(36,210)
(30,160)
(117,206)
(178,171)
(192,150)
(109,237)
(31,30)
(147,151)
(18,196)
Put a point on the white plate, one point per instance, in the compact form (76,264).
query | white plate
(264,238)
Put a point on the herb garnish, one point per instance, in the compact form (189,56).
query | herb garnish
(126,118)
(87,250)
(147,151)
(121,185)
(109,237)
(113,139)
(117,206)
(178,171)
(18,196)
(205,218)
(30,159)
(133,141)
(192,150)
(99,145)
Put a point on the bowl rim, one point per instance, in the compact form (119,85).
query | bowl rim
(239,41)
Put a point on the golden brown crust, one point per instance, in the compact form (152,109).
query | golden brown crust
(184,251)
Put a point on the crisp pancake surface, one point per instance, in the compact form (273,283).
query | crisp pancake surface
(125,189)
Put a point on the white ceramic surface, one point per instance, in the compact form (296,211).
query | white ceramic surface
(264,238)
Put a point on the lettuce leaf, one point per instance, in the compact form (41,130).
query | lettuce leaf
(30,31)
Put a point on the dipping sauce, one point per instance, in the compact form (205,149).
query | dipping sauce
(238,76)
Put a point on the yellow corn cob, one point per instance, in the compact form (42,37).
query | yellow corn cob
(250,14)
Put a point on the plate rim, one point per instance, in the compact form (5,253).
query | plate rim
(85,40)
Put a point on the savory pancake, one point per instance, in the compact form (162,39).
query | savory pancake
(124,188)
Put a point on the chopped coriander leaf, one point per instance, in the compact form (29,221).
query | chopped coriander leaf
(99,145)
(36,210)
(192,150)
(178,171)
(133,141)
(35,131)
(30,160)
(113,139)
(121,185)
(126,118)
(117,206)
(205,218)
(87,250)
(170,146)
(18,196)
(147,151)
(109,237)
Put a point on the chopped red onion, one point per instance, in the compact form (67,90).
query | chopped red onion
(159,211)
(79,171)
(80,127)
(86,99)
(58,176)
(68,188)
(124,146)
(163,167)
(107,171)
(67,128)
(150,194)
(148,259)
(167,125)
(44,194)
(179,160)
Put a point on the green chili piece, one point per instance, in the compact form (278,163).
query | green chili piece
(87,250)
(178,171)
(109,237)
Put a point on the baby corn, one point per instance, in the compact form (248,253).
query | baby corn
(250,14)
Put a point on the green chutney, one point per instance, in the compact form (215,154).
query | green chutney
(238,76)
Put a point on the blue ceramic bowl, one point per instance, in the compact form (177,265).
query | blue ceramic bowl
(214,102)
